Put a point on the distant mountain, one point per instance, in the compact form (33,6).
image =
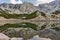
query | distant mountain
(49,7)
(13,6)
(26,7)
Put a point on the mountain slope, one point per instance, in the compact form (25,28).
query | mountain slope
(50,7)
(26,7)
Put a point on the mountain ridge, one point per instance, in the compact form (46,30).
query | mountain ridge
(27,7)
(50,7)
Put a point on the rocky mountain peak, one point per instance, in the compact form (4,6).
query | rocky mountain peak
(27,7)
(27,3)
(50,7)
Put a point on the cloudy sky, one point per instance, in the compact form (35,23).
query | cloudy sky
(36,2)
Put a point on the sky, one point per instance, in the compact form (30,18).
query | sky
(35,2)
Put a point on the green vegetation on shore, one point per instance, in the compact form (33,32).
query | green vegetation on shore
(17,16)
(56,12)
(32,15)
(43,14)
(19,25)
(43,27)
(56,28)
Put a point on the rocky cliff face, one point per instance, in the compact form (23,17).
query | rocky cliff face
(12,6)
(26,7)
(50,7)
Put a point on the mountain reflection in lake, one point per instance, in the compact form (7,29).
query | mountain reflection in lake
(17,28)
(41,25)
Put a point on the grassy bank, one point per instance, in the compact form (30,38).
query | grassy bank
(19,25)
(18,16)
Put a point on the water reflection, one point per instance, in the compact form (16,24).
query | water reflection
(15,29)
(41,25)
